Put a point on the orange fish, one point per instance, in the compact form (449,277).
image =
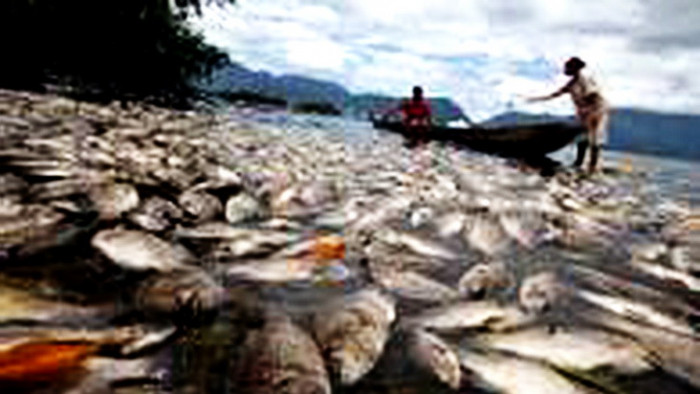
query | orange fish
(329,247)
(42,361)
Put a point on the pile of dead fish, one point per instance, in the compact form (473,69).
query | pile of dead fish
(150,250)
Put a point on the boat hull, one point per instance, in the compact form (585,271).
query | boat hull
(530,140)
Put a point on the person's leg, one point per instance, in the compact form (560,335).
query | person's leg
(595,122)
(581,148)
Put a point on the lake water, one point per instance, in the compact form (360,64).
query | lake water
(668,178)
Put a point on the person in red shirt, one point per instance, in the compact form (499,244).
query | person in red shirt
(416,116)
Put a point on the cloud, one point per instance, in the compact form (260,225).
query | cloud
(483,53)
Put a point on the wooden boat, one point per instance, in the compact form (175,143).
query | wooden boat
(525,140)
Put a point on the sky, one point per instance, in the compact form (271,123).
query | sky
(484,54)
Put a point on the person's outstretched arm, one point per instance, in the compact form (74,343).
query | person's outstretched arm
(564,89)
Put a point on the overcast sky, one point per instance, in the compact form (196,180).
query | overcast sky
(482,53)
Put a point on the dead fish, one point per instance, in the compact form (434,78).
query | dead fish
(303,199)
(352,333)
(18,304)
(156,214)
(11,184)
(255,243)
(10,206)
(243,207)
(636,311)
(414,286)
(320,247)
(420,216)
(114,200)
(284,270)
(102,375)
(649,252)
(483,278)
(34,228)
(212,231)
(29,363)
(275,271)
(686,258)
(450,224)
(373,218)
(148,340)
(574,348)
(541,292)
(281,224)
(280,358)
(633,299)
(469,315)
(140,251)
(188,296)
(527,230)
(30,219)
(331,219)
(511,375)
(674,352)
(416,244)
(667,274)
(486,235)
(434,356)
(200,205)
(219,177)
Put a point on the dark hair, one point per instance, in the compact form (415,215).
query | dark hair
(574,64)
(417,90)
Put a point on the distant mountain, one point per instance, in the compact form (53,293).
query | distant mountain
(293,89)
(635,130)
(234,81)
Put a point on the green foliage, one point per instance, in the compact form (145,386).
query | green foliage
(110,48)
(316,108)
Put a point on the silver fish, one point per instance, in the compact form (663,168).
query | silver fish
(114,200)
(140,251)
(200,205)
(243,207)
(255,243)
(466,315)
(279,358)
(416,244)
(541,292)
(686,257)
(667,274)
(574,348)
(674,352)
(213,231)
(636,311)
(481,279)
(277,270)
(434,356)
(190,295)
(450,224)
(414,286)
(19,304)
(486,235)
(511,375)
(156,214)
(352,332)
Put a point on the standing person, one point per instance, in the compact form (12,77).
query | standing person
(416,116)
(591,109)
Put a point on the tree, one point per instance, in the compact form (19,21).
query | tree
(112,48)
